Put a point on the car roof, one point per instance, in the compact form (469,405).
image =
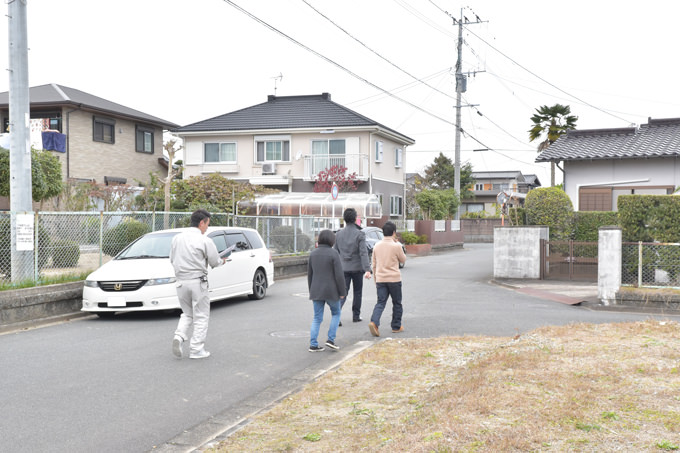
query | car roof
(211,229)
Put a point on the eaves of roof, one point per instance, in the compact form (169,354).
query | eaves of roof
(501,174)
(53,95)
(657,138)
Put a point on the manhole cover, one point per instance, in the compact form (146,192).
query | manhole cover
(290,334)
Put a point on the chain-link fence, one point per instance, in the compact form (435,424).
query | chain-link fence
(648,264)
(75,243)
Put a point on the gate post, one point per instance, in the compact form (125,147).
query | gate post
(608,263)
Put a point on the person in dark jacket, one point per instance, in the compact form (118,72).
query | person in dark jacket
(351,244)
(326,283)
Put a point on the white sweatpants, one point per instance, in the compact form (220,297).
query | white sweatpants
(195,303)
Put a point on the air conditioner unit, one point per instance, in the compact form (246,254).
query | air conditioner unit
(269,168)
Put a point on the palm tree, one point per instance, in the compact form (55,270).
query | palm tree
(553,121)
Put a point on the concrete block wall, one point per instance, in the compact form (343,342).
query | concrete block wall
(517,251)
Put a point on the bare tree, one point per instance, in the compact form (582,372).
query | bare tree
(172,150)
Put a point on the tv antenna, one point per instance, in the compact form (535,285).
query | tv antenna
(279,78)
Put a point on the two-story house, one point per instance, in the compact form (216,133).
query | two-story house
(488,184)
(285,142)
(95,139)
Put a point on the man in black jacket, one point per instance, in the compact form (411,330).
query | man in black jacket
(350,242)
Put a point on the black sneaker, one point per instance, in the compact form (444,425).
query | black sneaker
(340,324)
(359,319)
(332,345)
(315,348)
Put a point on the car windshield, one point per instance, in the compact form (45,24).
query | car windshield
(148,246)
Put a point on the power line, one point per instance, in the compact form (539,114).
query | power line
(334,63)
(353,74)
(547,82)
(374,52)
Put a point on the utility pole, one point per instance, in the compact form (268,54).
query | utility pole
(20,190)
(461,87)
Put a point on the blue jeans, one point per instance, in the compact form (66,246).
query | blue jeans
(318,318)
(384,290)
(356,278)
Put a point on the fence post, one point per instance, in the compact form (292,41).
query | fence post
(639,264)
(36,254)
(608,263)
(101,237)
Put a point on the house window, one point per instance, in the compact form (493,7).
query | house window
(327,154)
(144,139)
(219,152)
(479,186)
(474,207)
(273,151)
(378,151)
(103,129)
(397,157)
(396,205)
(595,199)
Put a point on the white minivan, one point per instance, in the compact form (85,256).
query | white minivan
(141,278)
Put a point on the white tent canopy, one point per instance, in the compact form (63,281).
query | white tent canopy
(312,204)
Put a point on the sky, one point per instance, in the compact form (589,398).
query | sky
(612,62)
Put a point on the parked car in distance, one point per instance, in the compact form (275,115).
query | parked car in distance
(373,236)
(141,277)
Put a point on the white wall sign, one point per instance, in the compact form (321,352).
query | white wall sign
(25,224)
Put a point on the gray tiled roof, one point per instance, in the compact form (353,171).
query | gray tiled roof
(59,95)
(288,112)
(658,138)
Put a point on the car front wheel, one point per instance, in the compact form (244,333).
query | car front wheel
(259,285)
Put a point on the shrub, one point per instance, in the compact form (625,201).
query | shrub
(118,237)
(409,238)
(287,239)
(649,218)
(65,253)
(588,223)
(517,216)
(551,206)
(474,215)
(422,239)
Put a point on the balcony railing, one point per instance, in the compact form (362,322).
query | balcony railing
(355,163)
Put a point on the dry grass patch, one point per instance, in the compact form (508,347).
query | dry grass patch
(581,387)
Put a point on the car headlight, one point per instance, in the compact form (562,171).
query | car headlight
(91,283)
(160,281)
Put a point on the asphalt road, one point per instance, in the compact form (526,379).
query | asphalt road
(114,385)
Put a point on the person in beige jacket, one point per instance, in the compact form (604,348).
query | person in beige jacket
(387,254)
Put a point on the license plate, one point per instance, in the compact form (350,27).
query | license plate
(117,301)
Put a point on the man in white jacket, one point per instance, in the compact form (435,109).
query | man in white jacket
(190,255)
